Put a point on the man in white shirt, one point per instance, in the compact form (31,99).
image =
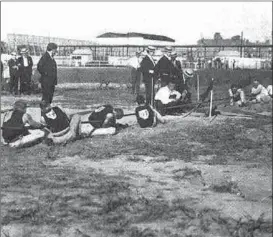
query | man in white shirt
(167,97)
(259,93)
(134,63)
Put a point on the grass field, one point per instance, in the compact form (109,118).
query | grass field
(188,177)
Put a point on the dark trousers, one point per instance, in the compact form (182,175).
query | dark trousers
(165,109)
(47,92)
(25,83)
(149,90)
(136,79)
(14,84)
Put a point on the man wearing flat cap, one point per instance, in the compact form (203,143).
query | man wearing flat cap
(164,66)
(25,65)
(147,68)
(47,67)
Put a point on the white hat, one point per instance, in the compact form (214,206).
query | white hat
(151,48)
(168,49)
(24,50)
(188,72)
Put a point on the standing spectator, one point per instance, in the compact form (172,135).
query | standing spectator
(25,64)
(164,66)
(233,64)
(47,67)
(135,73)
(176,71)
(147,68)
(259,93)
(237,96)
(13,72)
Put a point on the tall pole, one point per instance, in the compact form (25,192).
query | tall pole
(198,88)
(241,51)
(210,104)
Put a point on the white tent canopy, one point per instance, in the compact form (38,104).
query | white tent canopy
(83,51)
(228,53)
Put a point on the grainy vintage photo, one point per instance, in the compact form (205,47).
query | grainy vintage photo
(141,119)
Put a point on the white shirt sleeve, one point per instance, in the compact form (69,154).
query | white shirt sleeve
(163,95)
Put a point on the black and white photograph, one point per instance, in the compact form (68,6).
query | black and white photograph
(136,119)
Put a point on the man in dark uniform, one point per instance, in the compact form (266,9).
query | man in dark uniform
(176,71)
(146,115)
(25,64)
(105,116)
(47,67)
(164,66)
(147,68)
(13,72)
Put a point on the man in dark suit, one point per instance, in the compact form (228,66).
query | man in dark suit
(47,67)
(25,64)
(13,73)
(164,66)
(176,72)
(147,68)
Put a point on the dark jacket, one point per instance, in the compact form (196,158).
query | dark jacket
(47,67)
(12,71)
(22,69)
(146,65)
(176,69)
(2,68)
(163,67)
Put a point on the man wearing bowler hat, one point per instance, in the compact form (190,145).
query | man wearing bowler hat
(25,65)
(147,68)
(164,66)
(47,67)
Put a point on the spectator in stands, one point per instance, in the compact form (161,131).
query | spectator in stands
(237,96)
(47,67)
(167,97)
(259,93)
(147,68)
(269,90)
(13,72)
(25,65)
(134,63)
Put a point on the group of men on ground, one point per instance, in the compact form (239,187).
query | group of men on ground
(175,83)
(258,94)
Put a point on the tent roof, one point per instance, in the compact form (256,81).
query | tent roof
(83,51)
(228,53)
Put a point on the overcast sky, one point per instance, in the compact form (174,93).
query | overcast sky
(184,21)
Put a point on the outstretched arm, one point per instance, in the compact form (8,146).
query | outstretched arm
(28,119)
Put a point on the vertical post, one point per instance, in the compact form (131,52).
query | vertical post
(198,97)
(210,104)
(152,92)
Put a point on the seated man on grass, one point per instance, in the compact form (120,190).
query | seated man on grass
(62,129)
(146,115)
(15,132)
(103,121)
(237,96)
(259,93)
(168,97)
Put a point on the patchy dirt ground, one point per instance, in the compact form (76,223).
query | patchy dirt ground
(190,177)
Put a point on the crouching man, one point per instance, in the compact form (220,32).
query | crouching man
(259,93)
(146,115)
(15,132)
(103,121)
(62,129)
(237,96)
(166,98)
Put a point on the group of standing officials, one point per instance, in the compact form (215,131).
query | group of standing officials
(20,70)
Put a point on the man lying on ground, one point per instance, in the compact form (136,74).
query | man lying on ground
(237,96)
(62,128)
(103,121)
(259,93)
(15,132)
(146,115)
(167,97)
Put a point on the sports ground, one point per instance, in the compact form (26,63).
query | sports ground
(189,177)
